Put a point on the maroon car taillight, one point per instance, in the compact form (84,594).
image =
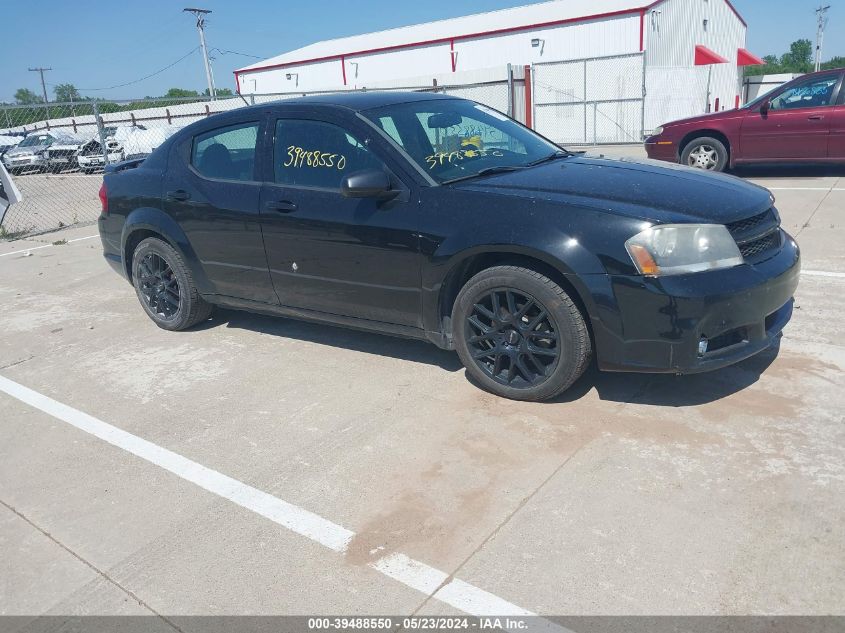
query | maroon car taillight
(104,200)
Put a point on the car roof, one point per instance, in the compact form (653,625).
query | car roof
(361,100)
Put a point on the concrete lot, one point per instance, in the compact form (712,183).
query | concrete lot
(713,494)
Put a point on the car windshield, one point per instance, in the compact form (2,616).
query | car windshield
(31,141)
(455,139)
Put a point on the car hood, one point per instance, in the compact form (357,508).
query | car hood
(706,118)
(649,190)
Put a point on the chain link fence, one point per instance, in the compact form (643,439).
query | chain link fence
(55,151)
(590,101)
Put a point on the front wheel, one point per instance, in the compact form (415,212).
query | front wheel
(519,334)
(165,286)
(705,153)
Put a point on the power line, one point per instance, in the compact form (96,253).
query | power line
(144,78)
(224,51)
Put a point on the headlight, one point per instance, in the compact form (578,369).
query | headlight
(657,131)
(676,249)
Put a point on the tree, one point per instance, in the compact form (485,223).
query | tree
(178,93)
(66,92)
(799,59)
(836,62)
(220,92)
(25,96)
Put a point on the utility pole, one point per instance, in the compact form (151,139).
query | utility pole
(43,86)
(200,15)
(822,23)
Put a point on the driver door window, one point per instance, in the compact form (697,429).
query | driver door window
(816,93)
(317,154)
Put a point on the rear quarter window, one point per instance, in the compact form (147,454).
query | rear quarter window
(226,153)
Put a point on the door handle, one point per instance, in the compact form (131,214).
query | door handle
(281,206)
(180,195)
(815,117)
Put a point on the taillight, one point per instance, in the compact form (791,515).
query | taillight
(104,200)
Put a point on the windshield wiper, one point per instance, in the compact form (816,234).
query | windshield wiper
(558,154)
(498,169)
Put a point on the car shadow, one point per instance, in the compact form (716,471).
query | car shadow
(650,389)
(324,334)
(669,390)
(774,172)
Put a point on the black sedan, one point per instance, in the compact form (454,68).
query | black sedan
(441,219)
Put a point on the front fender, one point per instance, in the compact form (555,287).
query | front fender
(150,219)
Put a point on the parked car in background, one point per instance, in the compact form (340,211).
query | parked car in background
(801,121)
(139,142)
(7,142)
(440,219)
(30,153)
(90,155)
(61,155)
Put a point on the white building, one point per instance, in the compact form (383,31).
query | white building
(661,42)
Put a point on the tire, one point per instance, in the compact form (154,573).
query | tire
(520,354)
(165,286)
(706,153)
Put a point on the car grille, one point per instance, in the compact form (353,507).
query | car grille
(758,237)
(748,224)
(753,250)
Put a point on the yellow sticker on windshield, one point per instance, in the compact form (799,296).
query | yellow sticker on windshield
(447,158)
(298,157)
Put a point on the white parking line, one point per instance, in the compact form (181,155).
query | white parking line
(823,273)
(802,188)
(35,248)
(411,573)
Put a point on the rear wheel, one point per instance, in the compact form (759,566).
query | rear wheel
(705,153)
(519,334)
(165,287)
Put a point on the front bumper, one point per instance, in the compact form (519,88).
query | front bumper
(22,162)
(658,323)
(660,148)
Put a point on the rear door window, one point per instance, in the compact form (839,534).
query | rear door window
(226,153)
(317,154)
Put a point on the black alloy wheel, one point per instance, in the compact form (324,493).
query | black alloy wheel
(165,286)
(512,337)
(519,334)
(159,286)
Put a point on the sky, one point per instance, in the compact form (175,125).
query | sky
(99,46)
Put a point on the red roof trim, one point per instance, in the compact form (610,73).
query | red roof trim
(515,29)
(736,13)
(444,40)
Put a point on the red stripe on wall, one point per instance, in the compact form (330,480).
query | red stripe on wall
(444,40)
(642,30)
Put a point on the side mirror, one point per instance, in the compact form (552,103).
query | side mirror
(764,107)
(371,183)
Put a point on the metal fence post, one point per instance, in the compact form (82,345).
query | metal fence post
(510,91)
(595,116)
(585,108)
(252,99)
(645,93)
(101,132)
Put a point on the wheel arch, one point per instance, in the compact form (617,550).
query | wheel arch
(149,222)
(474,262)
(700,133)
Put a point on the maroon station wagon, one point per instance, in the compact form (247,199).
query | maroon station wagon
(801,121)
